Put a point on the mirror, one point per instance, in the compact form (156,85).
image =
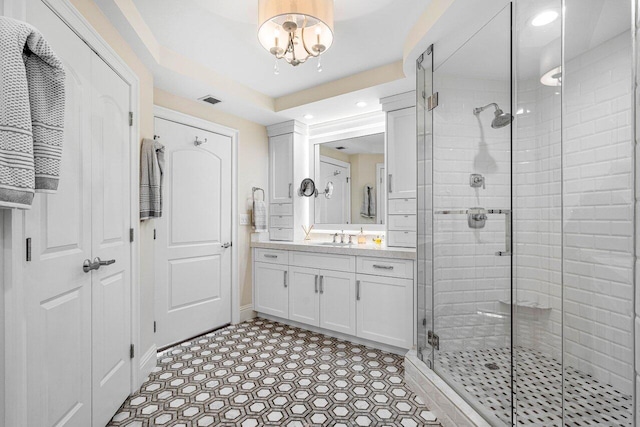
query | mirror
(352,173)
(307,188)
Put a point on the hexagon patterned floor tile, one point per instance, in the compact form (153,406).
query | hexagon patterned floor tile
(264,373)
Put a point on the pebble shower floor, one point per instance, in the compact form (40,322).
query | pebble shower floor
(264,373)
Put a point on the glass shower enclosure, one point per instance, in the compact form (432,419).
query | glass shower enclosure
(526,214)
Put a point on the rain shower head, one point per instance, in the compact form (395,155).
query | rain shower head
(500,120)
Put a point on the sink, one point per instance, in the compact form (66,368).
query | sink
(334,244)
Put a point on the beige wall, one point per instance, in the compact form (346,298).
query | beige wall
(252,162)
(334,154)
(363,172)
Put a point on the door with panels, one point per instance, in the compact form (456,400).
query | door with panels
(193,236)
(79,323)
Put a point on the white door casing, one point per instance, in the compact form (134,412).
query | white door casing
(281,169)
(193,268)
(111,287)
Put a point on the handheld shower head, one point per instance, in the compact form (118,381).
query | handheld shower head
(500,120)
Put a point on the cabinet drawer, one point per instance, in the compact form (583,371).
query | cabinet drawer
(281,209)
(272,256)
(402,206)
(285,234)
(401,268)
(401,239)
(402,222)
(280,221)
(323,261)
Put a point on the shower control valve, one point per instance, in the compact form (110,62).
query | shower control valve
(476,180)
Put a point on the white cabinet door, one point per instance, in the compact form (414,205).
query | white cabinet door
(111,210)
(193,269)
(271,290)
(401,152)
(304,297)
(281,168)
(384,309)
(338,301)
(58,292)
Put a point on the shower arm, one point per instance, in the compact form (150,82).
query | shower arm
(479,110)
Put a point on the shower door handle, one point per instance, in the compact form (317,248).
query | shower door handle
(507,233)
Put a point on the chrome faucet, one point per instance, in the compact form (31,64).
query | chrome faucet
(335,238)
(342,237)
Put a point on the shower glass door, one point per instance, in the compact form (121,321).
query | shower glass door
(471,220)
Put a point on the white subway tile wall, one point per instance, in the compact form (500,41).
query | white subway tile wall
(597,177)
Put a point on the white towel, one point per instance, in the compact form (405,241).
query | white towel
(151,172)
(368,207)
(32,98)
(260,215)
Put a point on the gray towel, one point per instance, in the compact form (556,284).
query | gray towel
(151,171)
(32,97)
(260,215)
(368,207)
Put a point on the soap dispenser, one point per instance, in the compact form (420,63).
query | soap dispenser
(361,238)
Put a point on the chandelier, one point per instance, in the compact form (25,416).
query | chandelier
(296,30)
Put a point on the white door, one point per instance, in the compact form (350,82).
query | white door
(111,221)
(338,301)
(401,152)
(79,324)
(384,309)
(304,295)
(58,295)
(281,168)
(337,209)
(271,292)
(193,260)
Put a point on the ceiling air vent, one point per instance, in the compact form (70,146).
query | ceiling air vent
(210,99)
(340,148)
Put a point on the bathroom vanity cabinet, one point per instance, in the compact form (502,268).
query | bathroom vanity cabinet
(401,169)
(359,296)
(288,166)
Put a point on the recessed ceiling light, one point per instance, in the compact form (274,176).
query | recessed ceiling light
(308,116)
(544,18)
(361,104)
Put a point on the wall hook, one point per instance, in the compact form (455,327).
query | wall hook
(197,142)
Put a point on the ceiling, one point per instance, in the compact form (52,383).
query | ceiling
(219,38)
(368,144)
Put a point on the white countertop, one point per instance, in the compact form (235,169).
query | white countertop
(368,249)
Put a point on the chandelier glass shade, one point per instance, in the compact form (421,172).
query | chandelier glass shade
(295,30)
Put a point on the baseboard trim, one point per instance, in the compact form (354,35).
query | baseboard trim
(148,361)
(246,312)
(450,409)
(350,338)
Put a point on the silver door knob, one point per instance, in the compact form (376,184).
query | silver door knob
(100,262)
(87,266)
(226,245)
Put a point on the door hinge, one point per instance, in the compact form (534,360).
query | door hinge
(424,322)
(28,249)
(154,327)
(154,234)
(131,234)
(130,118)
(433,340)
(432,101)
(132,351)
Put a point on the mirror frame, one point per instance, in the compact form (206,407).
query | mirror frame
(351,127)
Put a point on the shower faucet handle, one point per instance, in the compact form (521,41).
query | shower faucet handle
(476,181)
